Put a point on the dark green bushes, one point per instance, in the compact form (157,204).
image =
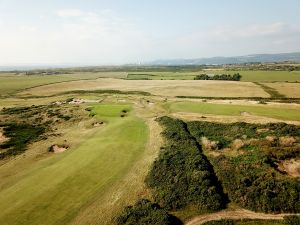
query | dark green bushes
(19,136)
(226,133)
(291,220)
(145,212)
(251,183)
(182,175)
(250,178)
(234,77)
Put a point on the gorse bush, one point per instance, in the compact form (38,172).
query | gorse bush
(19,136)
(252,184)
(291,220)
(145,212)
(182,175)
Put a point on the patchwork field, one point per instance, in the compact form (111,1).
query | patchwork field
(247,75)
(10,83)
(157,87)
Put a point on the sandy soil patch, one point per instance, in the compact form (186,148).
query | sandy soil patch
(208,144)
(287,141)
(80,101)
(58,148)
(3,138)
(158,87)
(291,167)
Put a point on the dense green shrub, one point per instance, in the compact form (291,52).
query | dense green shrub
(19,136)
(228,132)
(234,77)
(145,212)
(252,184)
(291,220)
(182,175)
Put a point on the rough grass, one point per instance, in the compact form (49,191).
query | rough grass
(55,189)
(271,91)
(291,90)
(236,110)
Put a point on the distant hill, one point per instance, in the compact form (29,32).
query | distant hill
(264,58)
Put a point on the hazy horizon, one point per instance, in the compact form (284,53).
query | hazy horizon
(113,33)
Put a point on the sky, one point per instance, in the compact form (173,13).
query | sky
(110,32)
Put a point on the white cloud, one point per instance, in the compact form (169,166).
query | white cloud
(69,13)
(27,28)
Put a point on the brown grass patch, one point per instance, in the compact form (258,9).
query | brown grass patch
(287,141)
(3,138)
(209,145)
(291,167)
(291,90)
(237,144)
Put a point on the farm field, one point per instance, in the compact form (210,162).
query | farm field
(156,87)
(10,83)
(291,90)
(247,75)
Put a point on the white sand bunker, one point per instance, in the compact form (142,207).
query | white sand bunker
(80,101)
(291,167)
(58,148)
(3,138)
(98,124)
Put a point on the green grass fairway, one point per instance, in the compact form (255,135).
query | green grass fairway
(55,189)
(162,75)
(236,110)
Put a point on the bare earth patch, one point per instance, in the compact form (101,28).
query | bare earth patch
(287,141)
(3,138)
(291,167)
(58,148)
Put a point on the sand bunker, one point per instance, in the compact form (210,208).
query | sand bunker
(80,101)
(58,148)
(3,138)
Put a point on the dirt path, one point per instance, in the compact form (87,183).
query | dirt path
(234,214)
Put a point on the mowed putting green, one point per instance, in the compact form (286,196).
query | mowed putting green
(57,188)
(236,110)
